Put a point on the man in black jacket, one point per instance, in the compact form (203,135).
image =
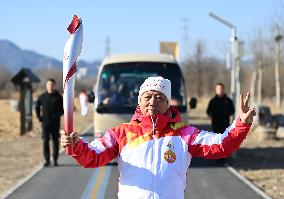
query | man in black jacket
(49,108)
(220,109)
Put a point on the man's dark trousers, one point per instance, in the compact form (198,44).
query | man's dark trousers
(50,130)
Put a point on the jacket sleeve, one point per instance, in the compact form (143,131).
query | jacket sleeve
(98,153)
(37,108)
(232,108)
(61,110)
(210,108)
(211,145)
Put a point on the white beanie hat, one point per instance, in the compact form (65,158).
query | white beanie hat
(157,84)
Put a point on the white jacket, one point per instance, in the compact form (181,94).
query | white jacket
(153,163)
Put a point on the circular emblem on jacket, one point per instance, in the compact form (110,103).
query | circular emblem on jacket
(170,156)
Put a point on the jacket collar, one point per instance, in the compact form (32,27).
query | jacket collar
(160,121)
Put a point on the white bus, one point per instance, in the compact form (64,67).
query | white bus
(118,82)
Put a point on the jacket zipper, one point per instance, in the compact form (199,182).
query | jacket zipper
(154,155)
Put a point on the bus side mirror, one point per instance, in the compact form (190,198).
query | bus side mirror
(193,103)
(91,97)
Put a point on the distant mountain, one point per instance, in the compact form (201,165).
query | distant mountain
(15,58)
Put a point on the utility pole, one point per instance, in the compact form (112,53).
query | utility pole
(107,49)
(234,52)
(237,73)
(185,38)
(278,38)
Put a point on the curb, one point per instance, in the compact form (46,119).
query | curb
(247,182)
(33,172)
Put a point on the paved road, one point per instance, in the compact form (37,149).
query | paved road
(69,181)
(204,180)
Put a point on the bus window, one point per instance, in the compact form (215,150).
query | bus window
(119,85)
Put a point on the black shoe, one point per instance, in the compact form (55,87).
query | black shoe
(46,164)
(55,164)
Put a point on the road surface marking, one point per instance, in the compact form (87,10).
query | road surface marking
(92,181)
(97,184)
(102,191)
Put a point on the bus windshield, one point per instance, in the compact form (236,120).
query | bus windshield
(119,85)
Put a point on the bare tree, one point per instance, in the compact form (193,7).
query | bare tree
(5,81)
(257,50)
(202,73)
(198,58)
(278,37)
(45,73)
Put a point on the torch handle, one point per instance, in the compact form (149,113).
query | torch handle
(69,150)
(68,102)
(68,121)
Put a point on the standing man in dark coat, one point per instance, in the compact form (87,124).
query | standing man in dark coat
(49,108)
(220,109)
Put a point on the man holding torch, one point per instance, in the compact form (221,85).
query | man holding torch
(155,148)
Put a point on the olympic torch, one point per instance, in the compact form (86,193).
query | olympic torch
(71,52)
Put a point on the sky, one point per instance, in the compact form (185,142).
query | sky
(131,26)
